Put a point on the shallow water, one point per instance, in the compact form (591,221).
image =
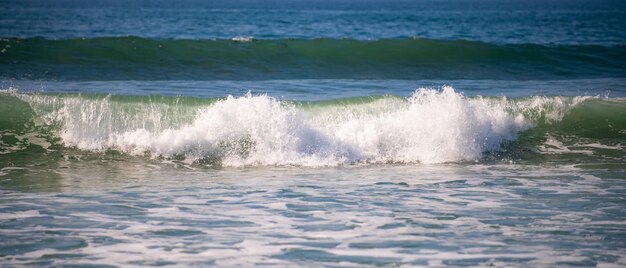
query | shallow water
(119,213)
(552,196)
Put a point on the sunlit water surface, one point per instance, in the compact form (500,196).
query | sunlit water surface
(120,213)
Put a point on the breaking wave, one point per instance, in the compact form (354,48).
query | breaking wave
(430,126)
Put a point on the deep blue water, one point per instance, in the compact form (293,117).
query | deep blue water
(493,21)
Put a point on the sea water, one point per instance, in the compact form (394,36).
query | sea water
(317,133)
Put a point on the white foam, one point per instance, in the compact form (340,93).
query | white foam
(19,215)
(431,126)
(243,39)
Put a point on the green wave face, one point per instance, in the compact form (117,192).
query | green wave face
(133,58)
(428,127)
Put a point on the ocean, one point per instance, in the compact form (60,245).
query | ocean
(313,133)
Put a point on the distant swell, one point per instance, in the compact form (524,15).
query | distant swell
(134,58)
(431,126)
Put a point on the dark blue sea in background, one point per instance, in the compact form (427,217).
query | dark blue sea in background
(313,133)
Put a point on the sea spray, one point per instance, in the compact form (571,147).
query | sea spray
(430,126)
(433,127)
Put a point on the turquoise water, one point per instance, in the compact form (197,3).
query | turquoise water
(133,58)
(318,133)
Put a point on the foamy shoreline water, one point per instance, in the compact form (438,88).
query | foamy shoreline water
(429,215)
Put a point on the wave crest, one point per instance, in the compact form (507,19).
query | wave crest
(431,126)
